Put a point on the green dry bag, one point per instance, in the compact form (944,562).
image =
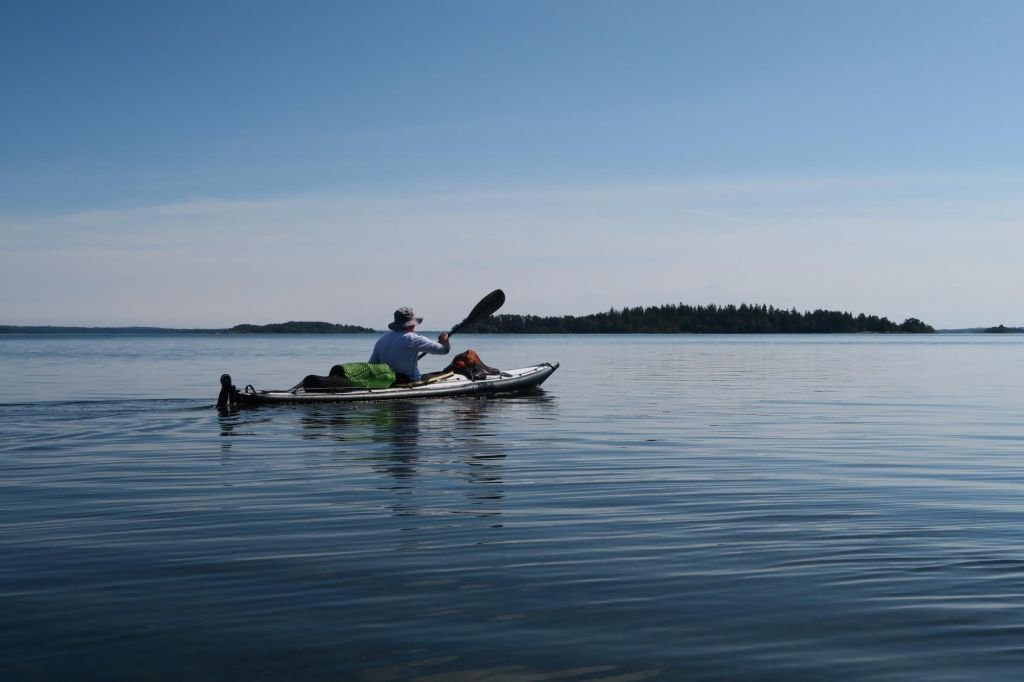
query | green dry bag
(369,375)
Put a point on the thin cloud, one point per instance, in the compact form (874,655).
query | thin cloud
(870,244)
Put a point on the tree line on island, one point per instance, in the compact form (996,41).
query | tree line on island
(709,319)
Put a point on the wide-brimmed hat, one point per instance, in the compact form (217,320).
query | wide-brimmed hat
(404,317)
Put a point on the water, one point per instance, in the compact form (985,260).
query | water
(669,507)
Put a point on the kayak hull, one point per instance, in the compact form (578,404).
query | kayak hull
(512,381)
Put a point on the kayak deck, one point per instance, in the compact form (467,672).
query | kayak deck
(510,381)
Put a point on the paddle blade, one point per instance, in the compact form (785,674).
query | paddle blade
(488,305)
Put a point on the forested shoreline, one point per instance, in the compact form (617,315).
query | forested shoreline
(663,319)
(709,319)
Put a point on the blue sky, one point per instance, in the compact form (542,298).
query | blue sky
(212,163)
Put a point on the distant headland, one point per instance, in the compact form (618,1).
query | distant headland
(278,328)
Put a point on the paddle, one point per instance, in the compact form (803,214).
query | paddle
(488,305)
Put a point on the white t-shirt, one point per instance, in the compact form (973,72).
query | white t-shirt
(400,351)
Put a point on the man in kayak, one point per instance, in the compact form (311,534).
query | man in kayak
(400,348)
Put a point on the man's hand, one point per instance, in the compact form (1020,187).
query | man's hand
(443,339)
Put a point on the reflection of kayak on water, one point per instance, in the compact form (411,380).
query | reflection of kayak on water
(447,384)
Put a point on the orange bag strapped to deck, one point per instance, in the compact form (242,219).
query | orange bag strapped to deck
(469,365)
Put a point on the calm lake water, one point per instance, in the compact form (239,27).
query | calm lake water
(669,507)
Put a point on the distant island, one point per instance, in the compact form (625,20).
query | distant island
(299,328)
(1002,329)
(709,319)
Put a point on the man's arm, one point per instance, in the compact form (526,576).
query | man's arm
(441,347)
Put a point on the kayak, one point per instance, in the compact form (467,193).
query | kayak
(509,381)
